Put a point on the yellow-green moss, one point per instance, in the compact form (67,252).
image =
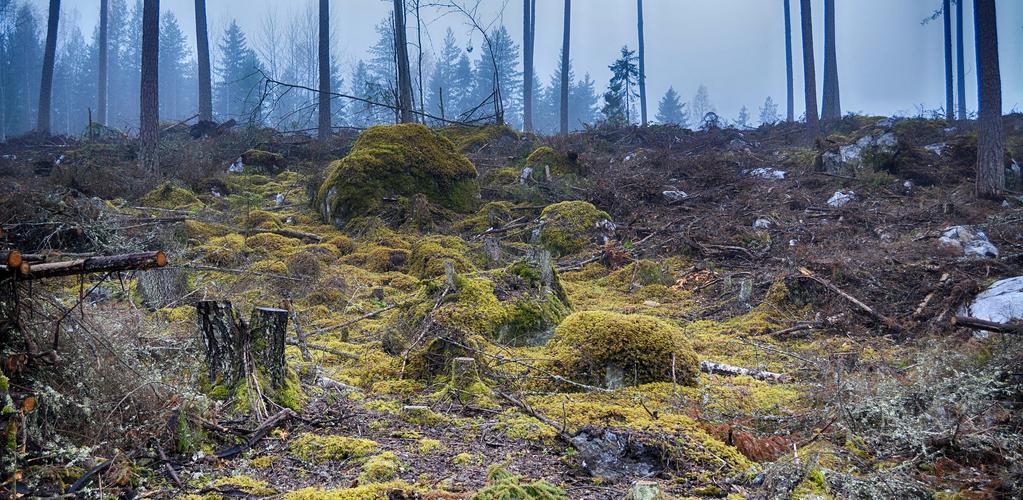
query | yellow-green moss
(642,348)
(570,226)
(378,258)
(304,265)
(546,156)
(429,255)
(466,459)
(245,484)
(473,308)
(317,448)
(343,244)
(503,485)
(227,251)
(427,445)
(263,161)
(372,491)
(493,214)
(813,486)
(467,138)
(263,462)
(271,244)
(397,160)
(261,219)
(170,196)
(202,231)
(381,468)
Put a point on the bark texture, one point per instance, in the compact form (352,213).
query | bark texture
(104,57)
(149,117)
(990,143)
(49,56)
(831,108)
(946,16)
(809,72)
(790,107)
(565,53)
(642,63)
(404,72)
(203,48)
(324,63)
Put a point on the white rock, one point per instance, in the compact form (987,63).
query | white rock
(937,148)
(675,195)
(886,122)
(792,243)
(524,176)
(237,167)
(841,198)
(1001,302)
(972,242)
(762,223)
(766,173)
(279,199)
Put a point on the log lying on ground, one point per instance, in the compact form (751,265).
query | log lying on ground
(10,258)
(22,269)
(100,264)
(723,369)
(987,326)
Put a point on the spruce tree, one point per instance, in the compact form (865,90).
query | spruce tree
(503,58)
(624,79)
(671,109)
(237,93)
(769,112)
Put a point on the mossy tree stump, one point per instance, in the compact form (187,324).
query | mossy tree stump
(221,330)
(267,331)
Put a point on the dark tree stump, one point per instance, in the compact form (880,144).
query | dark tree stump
(267,331)
(161,287)
(222,334)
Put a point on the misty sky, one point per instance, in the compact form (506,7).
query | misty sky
(889,63)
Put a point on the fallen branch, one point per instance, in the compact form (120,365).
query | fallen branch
(258,434)
(723,369)
(889,322)
(987,326)
(348,323)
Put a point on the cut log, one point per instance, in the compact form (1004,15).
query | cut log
(987,326)
(222,333)
(22,269)
(268,329)
(102,264)
(12,258)
(723,369)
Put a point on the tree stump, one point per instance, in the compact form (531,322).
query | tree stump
(161,287)
(267,331)
(463,373)
(222,334)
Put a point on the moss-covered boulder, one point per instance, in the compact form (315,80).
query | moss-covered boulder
(545,157)
(613,350)
(397,161)
(257,161)
(171,197)
(429,255)
(570,226)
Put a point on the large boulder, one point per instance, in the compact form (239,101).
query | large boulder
(1002,302)
(868,151)
(968,241)
(570,226)
(397,161)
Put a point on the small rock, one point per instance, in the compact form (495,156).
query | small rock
(737,144)
(841,198)
(237,167)
(1002,302)
(792,243)
(937,148)
(526,173)
(886,122)
(644,490)
(675,195)
(279,199)
(651,303)
(972,242)
(768,173)
(762,223)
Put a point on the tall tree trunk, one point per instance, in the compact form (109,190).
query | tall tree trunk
(831,108)
(46,86)
(527,65)
(990,146)
(324,64)
(809,73)
(642,64)
(789,80)
(104,55)
(565,52)
(404,72)
(960,60)
(202,44)
(149,102)
(946,14)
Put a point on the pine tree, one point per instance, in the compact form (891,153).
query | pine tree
(769,112)
(365,86)
(990,139)
(382,66)
(624,78)
(742,121)
(49,59)
(671,109)
(443,87)
(237,93)
(149,118)
(614,104)
(809,74)
(202,47)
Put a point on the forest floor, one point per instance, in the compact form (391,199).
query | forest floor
(861,386)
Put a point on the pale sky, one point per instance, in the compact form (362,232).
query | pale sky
(889,63)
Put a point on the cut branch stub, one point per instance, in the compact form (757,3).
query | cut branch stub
(267,331)
(222,333)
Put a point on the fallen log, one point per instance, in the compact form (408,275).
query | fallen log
(723,369)
(101,264)
(22,269)
(889,322)
(11,258)
(987,326)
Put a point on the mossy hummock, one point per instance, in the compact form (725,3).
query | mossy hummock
(395,161)
(612,350)
(546,157)
(570,226)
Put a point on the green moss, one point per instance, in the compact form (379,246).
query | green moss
(429,255)
(172,197)
(372,491)
(227,251)
(261,219)
(813,486)
(530,321)
(492,215)
(380,468)
(392,161)
(271,244)
(472,138)
(465,459)
(570,226)
(202,231)
(473,307)
(263,462)
(502,485)
(343,243)
(427,445)
(605,348)
(245,484)
(259,161)
(317,448)
(546,156)
(379,259)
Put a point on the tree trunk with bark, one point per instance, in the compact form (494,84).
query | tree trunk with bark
(222,334)
(990,144)
(960,61)
(528,7)
(104,58)
(831,108)
(946,15)
(565,52)
(49,56)
(101,264)
(642,64)
(809,72)
(203,48)
(324,64)
(236,351)
(149,117)
(404,71)
(789,80)
(267,332)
